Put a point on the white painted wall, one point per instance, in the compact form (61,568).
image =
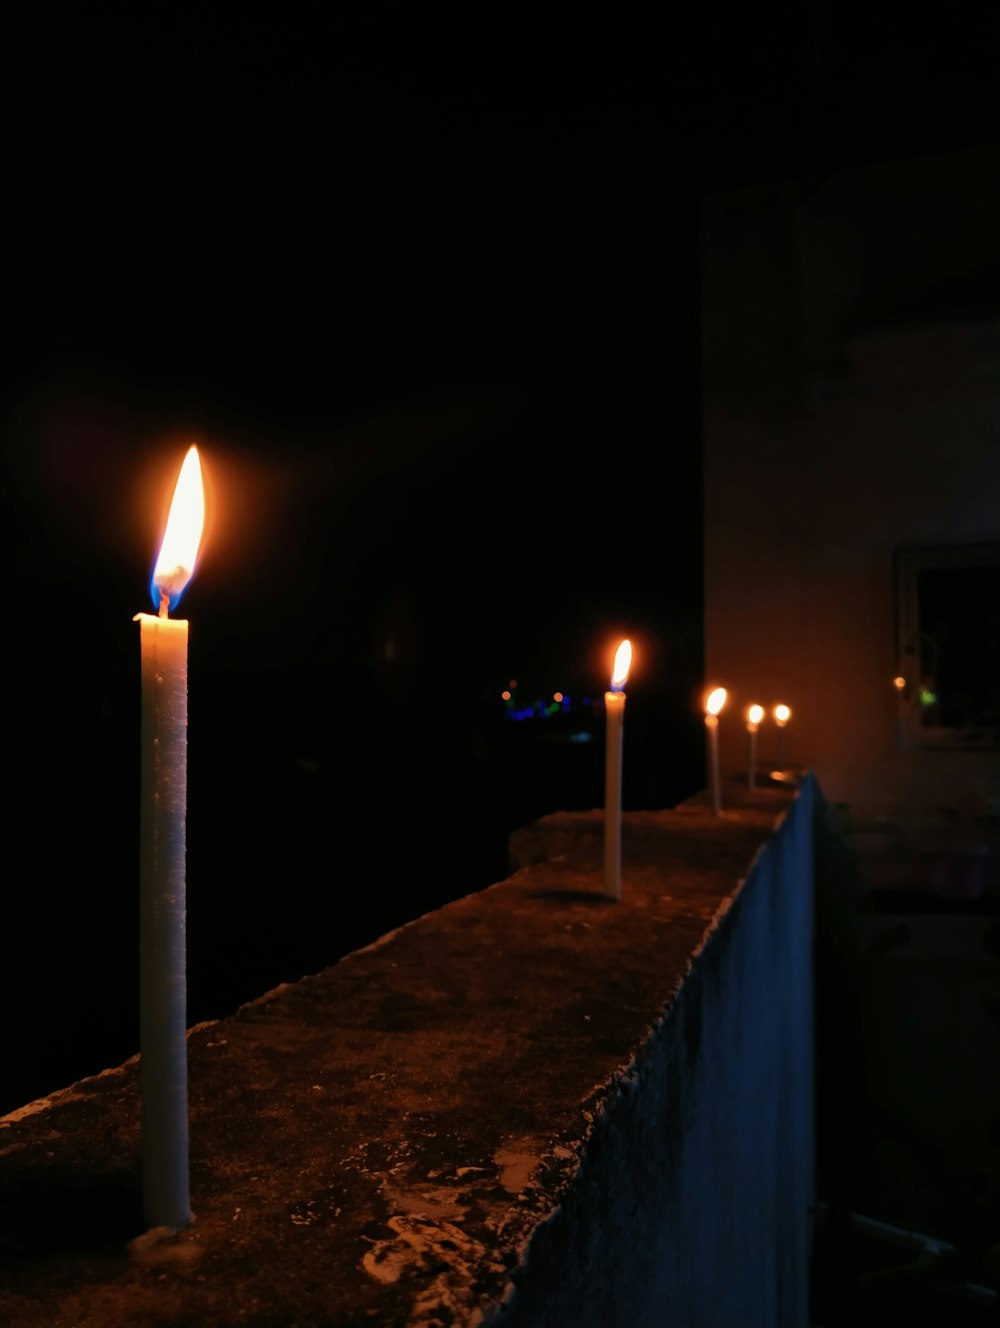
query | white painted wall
(823,452)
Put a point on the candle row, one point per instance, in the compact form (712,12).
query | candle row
(715,701)
(163,1031)
(754,715)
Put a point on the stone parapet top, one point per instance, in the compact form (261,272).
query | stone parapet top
(378,1142)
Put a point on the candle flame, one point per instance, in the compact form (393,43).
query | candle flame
(716,700)
(179,550)
(622,664)
(755,714)
(782,714)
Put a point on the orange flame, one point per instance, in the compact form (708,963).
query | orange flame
(782,714)
(182,537)
(716,700)
(622,664)
(755,714)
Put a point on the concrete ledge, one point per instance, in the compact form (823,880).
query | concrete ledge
(480,1119)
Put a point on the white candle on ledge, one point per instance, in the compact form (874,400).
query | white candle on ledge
(755,713)
(162,868)
(614,705)
(715,701)
(782,714)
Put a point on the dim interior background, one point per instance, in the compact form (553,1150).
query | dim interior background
(431,313)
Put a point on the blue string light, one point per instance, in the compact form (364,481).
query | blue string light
(559,704)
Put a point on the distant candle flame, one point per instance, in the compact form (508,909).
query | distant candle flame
(755,714)
(623,662)
(899,682)
(716,700)
(782,714)
(179,550)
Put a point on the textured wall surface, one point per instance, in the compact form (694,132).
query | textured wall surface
(536,1105)
(692,1205)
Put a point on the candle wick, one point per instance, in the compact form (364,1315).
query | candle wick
(164,604)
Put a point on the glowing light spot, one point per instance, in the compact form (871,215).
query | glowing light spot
(716,700)
(505,696)
(782,714)
(755,714)
(899,682)
(622,664)
(557,697)
(927,697)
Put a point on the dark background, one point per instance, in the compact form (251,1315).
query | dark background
(427,297)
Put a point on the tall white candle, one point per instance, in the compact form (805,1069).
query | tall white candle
(162,867)
(755,714)
(715,701)
(614,705)
(782,714)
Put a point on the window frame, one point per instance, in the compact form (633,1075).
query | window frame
(908,562)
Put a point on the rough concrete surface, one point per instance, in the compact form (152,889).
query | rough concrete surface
(379,1142)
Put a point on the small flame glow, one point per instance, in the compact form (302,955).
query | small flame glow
(782,714)
(623,662)
(716,700)
(755,714)
(899,682)
(185,523)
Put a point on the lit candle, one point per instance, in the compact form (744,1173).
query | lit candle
(902,695)
(716,700)
(614,705)
(755,714)
(782,715)
(162,951)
